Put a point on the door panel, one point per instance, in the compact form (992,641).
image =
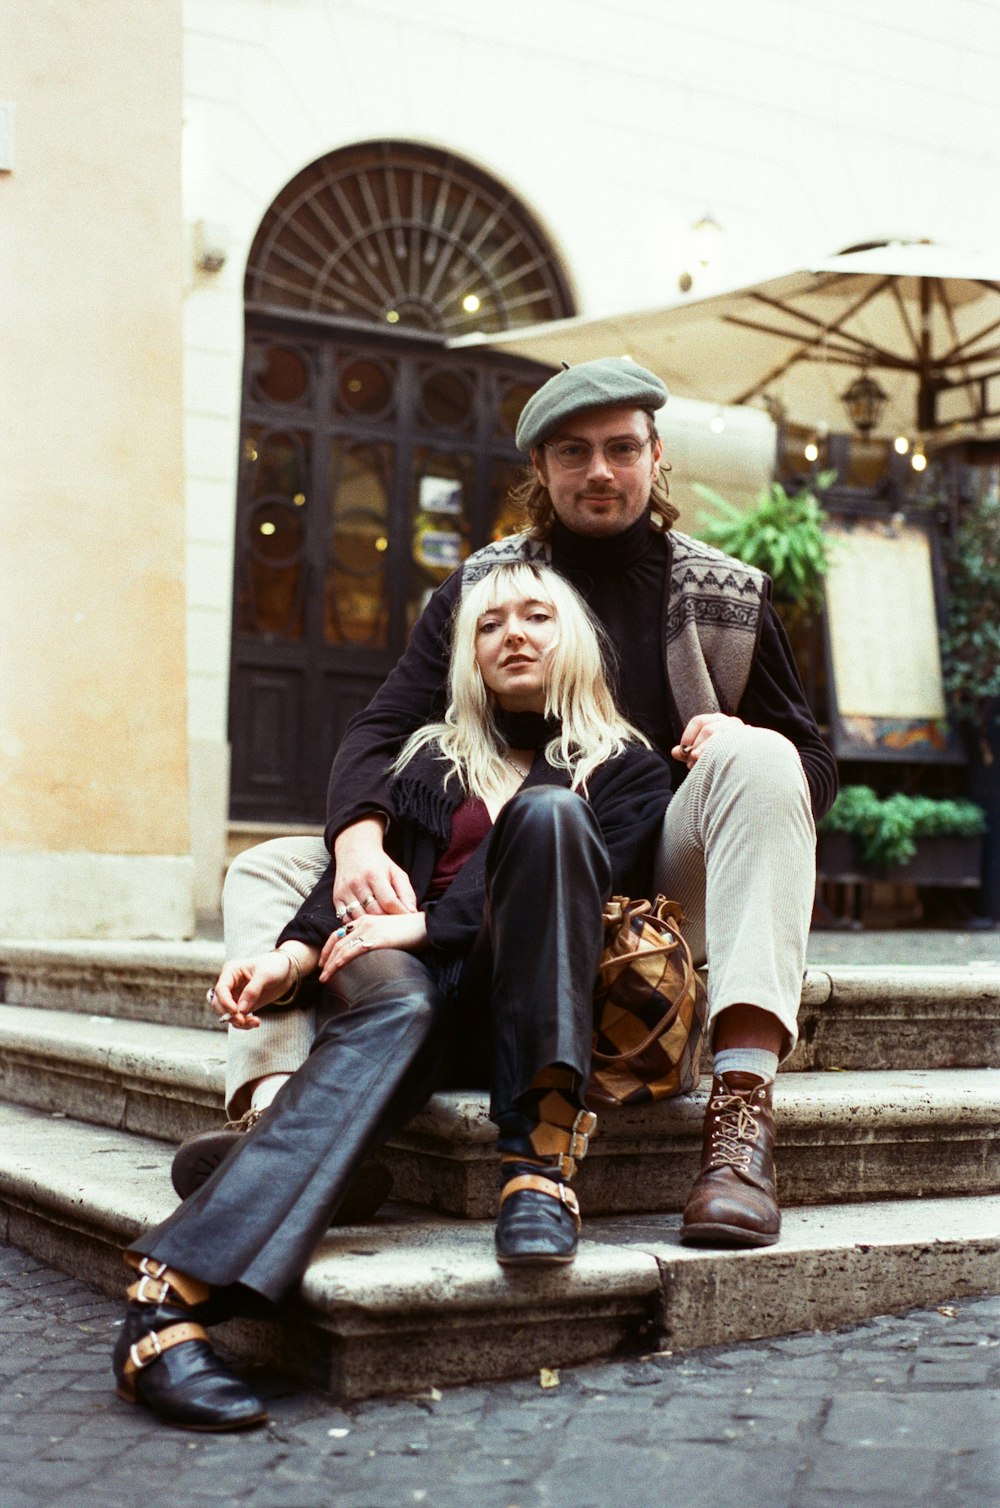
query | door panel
(267,743)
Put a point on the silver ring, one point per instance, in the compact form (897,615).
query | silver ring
(210,997)
(340,932)
(352,907)
(361,942)
(225,1019)
(369,902)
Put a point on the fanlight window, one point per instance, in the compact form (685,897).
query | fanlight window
(403,236)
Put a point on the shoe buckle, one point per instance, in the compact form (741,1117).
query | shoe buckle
(152,1290)
(135,1355)
(152,1272)
(568,1197)
(580,1133)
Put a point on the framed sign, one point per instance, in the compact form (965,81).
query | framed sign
(883,657)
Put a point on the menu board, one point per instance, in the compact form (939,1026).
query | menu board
(886,692)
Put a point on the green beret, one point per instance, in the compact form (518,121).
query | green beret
(590,384)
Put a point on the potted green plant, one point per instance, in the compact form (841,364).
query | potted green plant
(782,534)
(906,839)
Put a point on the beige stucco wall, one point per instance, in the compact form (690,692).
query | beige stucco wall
(93,733)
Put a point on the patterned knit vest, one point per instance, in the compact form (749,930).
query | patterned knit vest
(712,624)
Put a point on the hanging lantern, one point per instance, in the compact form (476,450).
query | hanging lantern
(864,400)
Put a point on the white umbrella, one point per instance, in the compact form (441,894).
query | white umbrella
(920,321)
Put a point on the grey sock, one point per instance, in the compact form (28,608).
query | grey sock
(745,1060)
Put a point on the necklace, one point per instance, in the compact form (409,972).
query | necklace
(521,774)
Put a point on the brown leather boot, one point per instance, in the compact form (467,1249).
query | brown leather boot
(733,1202)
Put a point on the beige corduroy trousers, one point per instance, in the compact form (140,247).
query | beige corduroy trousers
(738,851)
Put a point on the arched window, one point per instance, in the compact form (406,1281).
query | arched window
(399,235)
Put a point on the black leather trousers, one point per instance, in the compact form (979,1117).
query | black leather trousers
(392,1039)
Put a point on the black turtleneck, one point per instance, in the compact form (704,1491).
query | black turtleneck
(598,567)
(623,578)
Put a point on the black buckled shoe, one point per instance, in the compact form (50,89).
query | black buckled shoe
(538,1224)
(197,1159)
(162,1358)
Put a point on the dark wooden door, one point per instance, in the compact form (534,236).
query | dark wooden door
(369,468)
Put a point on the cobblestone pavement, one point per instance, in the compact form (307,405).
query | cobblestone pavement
(893,1412)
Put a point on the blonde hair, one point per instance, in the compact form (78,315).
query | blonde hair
(533,497)
(576,688)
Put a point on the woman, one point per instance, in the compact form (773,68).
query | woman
(514,818)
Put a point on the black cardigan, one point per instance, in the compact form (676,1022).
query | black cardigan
(628,796)
(616,576)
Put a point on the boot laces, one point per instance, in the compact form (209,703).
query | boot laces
(735,1132)
(247,1119)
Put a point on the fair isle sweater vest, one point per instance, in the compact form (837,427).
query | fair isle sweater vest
(712,622)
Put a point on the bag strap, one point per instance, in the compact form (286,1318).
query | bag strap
(617,916)
(633,1052)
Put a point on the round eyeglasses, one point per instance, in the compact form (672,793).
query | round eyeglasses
(574,455)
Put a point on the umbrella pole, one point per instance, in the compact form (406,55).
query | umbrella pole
(926,391)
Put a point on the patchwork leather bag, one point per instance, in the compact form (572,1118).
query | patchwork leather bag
(649,1007)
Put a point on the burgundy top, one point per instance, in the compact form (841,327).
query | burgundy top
(470,823)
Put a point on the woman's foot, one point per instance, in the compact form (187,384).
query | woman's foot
(197,1159)
(539,1220)
(162,1358)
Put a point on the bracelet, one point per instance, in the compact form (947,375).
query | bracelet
(287,998)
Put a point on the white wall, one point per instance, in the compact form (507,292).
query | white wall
(803,127)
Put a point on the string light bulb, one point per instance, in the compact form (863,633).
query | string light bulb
(901,445)
(811,452)
(918,460)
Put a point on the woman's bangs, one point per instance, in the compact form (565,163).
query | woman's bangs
(512,583)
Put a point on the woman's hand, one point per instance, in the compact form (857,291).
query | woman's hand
(367,881)
(246,985)
(697,733)
(408,932)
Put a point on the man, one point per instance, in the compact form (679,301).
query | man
(705,670)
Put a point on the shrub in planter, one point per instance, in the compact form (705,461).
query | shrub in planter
(783,535)
(886,832)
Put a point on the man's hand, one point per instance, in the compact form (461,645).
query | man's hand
(367,881)
(408,932)
(697,733)
(246,985)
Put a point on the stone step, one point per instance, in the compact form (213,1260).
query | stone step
(133,981)
(411,1301)
(842,1136)
(851,1017)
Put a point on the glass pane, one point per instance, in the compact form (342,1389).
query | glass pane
(271,577)
(508,517)
(356,599)
(442,489)
(512,401)
(279,374)
(446,398)
(276,462)
(365,387)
